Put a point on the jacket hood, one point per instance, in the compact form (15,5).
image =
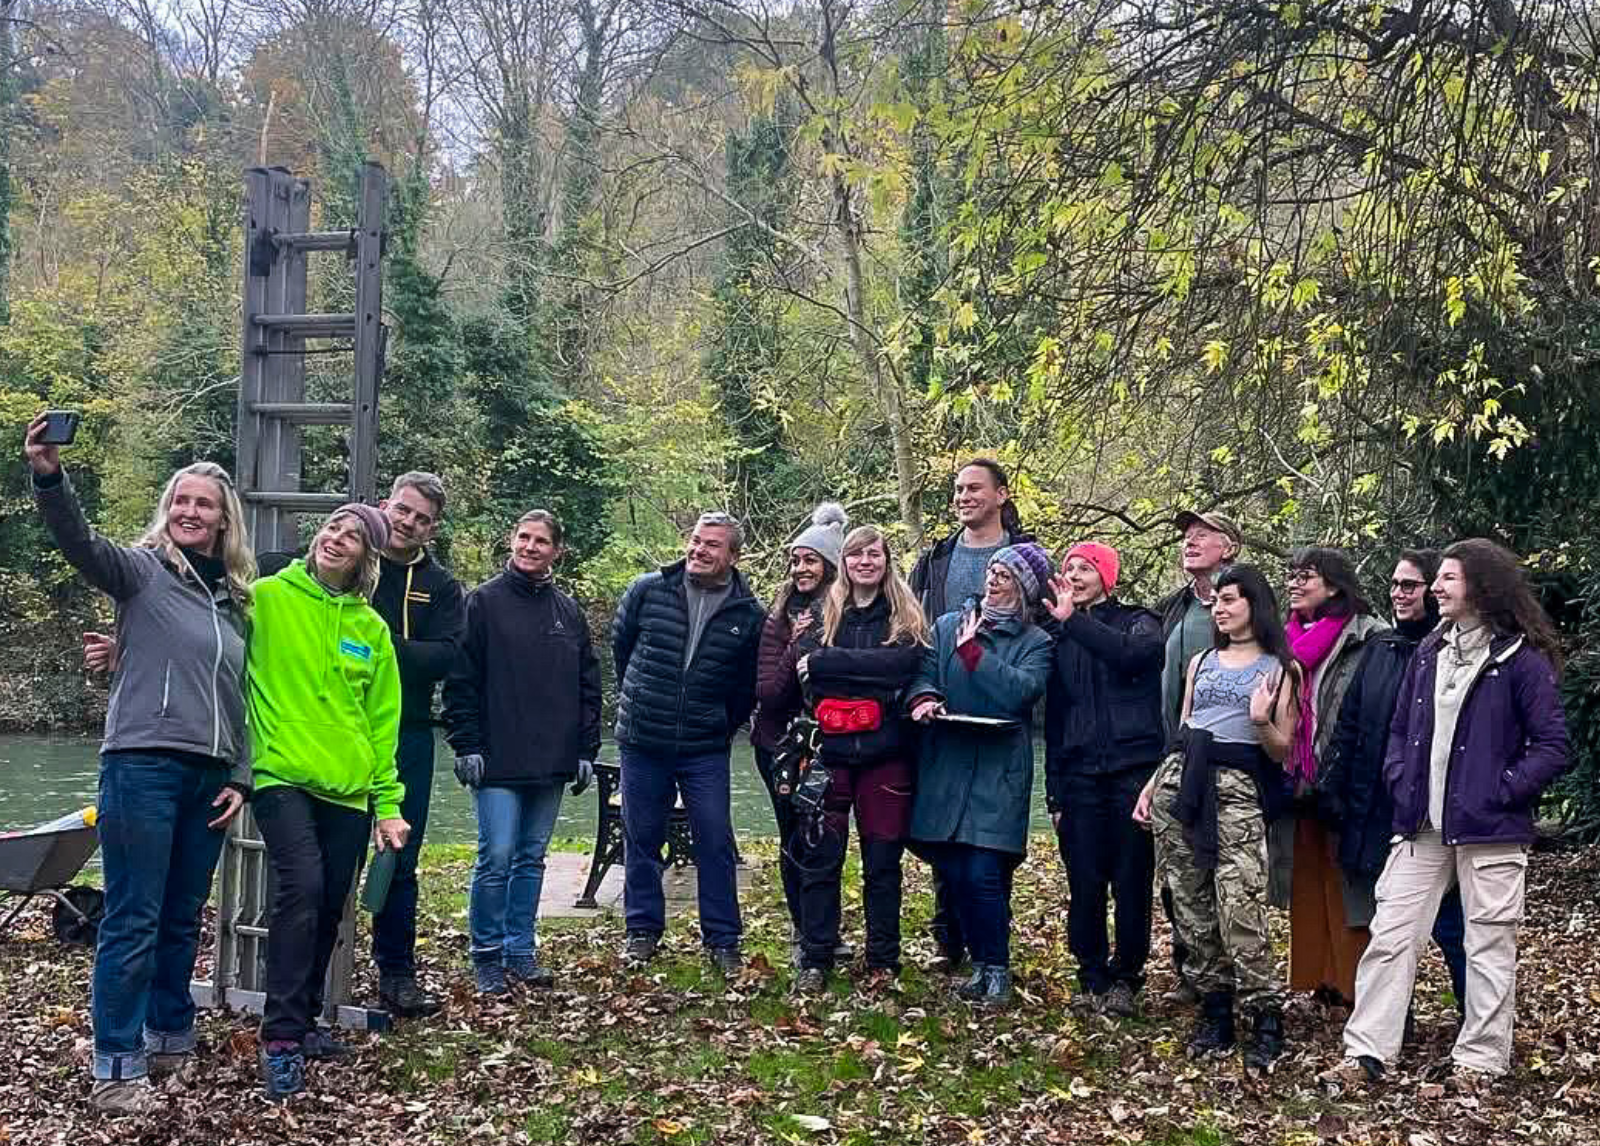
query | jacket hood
(1502,646)
(296,574)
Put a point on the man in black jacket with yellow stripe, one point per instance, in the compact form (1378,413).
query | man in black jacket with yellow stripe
(422,604)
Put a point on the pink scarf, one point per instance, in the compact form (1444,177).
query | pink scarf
(1311,645)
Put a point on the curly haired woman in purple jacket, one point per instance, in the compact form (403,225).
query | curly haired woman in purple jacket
(1477,735)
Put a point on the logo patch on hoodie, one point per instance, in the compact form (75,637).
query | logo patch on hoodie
(352,649)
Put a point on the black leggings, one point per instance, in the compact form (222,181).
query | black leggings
(315,849)
(783,813)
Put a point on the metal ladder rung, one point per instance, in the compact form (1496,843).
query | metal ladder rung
(309,325)
(296,500)
(317,240)
(306,413)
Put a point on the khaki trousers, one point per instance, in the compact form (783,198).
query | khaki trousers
(1417,876)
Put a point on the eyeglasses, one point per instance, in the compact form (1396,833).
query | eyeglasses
(1301,576)
(1406,585)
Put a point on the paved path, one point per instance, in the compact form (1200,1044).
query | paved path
(565,874)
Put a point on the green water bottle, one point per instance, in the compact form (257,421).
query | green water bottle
(375,892)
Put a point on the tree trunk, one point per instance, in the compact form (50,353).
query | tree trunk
(885,384)
(8,99)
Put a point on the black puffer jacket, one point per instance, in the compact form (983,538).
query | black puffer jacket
(1103,703)
(859,666)
(662,707)
(1351,794)
(525,691)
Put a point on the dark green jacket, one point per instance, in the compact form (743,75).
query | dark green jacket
(975,785)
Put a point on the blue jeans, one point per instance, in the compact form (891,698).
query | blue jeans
(514,829)
(158,856)
(649,785)
(979,880)
(394,929)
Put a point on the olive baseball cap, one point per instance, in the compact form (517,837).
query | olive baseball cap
(1220,522)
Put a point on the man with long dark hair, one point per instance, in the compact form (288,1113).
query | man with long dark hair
(946,577)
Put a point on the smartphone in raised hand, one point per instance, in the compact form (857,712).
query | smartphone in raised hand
(60,427)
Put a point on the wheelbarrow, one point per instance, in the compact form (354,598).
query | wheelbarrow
(44,861)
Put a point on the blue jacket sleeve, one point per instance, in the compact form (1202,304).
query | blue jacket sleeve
(927,680)
(1544,725)
(1017,687)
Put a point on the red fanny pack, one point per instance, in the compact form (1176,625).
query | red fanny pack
(843,716)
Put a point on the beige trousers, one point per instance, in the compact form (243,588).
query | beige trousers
(1417,876)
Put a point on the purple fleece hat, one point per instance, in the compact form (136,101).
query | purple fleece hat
(373,523)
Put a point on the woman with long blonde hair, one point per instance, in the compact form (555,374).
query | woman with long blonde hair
(174,766)
(873,637)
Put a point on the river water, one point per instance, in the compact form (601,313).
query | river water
(42,777)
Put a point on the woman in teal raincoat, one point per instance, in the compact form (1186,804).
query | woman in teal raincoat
(975,781)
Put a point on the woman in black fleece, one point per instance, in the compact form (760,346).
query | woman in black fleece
(873,635)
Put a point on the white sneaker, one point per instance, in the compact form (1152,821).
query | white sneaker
(125,1096)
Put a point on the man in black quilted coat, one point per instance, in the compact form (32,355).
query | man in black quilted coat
(685,641)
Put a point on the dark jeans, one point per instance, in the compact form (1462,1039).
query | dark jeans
(158,856)
(880,794)
(1103,848)
(945,926)
(649,784)
(979,880)
(783,813)
(315,848)
(394,929)
(1450,933)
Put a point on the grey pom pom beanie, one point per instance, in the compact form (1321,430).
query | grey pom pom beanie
(825,534)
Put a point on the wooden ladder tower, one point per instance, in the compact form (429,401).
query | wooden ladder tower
(272,410)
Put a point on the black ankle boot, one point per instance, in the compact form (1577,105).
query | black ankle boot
(1213,1029)
(1265,1043)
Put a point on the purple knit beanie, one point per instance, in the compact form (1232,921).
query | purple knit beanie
(1030,565)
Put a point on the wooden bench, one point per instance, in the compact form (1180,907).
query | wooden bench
(608,836)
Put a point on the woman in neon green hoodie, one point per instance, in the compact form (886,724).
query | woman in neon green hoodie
(324,708)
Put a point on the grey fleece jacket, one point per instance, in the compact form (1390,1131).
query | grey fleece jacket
(179,685)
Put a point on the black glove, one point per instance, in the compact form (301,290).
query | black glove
(469,770)
(585,777)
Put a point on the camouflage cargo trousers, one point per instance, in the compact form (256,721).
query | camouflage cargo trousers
(1221,914)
